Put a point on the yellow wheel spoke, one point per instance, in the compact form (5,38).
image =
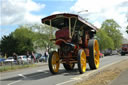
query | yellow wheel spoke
(96,54)
(55,62)
(83,61)
(96,61)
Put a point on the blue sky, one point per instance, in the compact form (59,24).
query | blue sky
(54,5)
(50,7)
(19,12)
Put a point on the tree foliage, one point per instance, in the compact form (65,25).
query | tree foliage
(27,38)
(18,41)
(127,29)
(104,40)
(111,28)
(8,45)
(43,35)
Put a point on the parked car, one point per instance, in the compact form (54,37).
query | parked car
(2,60)
(107,52)
(23,59)
(124,49)
(37,56)
(9,60)
(114,52)
(41,59)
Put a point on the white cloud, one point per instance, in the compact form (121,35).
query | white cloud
(15,12)
(100,10)
(97,24)
(57,12)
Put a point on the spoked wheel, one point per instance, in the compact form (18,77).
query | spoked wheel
(94,53)
(54,62)
(81,61)
(69,66)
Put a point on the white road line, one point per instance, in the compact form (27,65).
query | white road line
(17,80)
(22,75)
(89,73)
(66,82)
(76,78)
(46,72)
(39,70)
(14,82)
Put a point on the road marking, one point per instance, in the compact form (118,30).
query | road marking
(66,82)
(22,75)
(89,73)
(76,78)
(72,79)
(17,80)
(14,82)
(39,70)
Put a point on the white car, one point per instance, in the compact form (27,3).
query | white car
(23,59)
(9,60)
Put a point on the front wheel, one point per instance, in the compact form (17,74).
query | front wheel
(81,61)
(53,62)
(94,54)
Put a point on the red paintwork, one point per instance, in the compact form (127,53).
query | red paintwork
(125,47)
(62,34)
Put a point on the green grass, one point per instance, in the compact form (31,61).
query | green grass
(15,67)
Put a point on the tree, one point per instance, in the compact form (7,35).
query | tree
(8,45)
(104,40)
(111,28)
(25,39)
(127,29)
(43,35)
(127,21)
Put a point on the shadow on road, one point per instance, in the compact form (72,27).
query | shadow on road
(43,74)
(73,72)
(32,76)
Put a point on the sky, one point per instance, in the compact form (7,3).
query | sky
(19,12)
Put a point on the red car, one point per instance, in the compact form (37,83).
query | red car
(124,49)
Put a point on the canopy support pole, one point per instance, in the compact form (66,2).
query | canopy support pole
(51,29)
(70,36)
(74,27)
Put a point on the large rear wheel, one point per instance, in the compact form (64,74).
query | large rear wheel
(94,53)
(54,62)
(81,61)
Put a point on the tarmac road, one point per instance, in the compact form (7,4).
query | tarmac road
(42,76)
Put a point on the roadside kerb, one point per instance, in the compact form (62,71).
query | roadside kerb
(97,70)
(89,74)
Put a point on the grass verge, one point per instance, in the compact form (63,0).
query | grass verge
(107,75)
(15,67)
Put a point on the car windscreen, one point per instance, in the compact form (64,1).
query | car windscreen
(125,45)
(10,58)
(24,56)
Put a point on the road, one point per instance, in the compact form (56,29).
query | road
(42,76)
